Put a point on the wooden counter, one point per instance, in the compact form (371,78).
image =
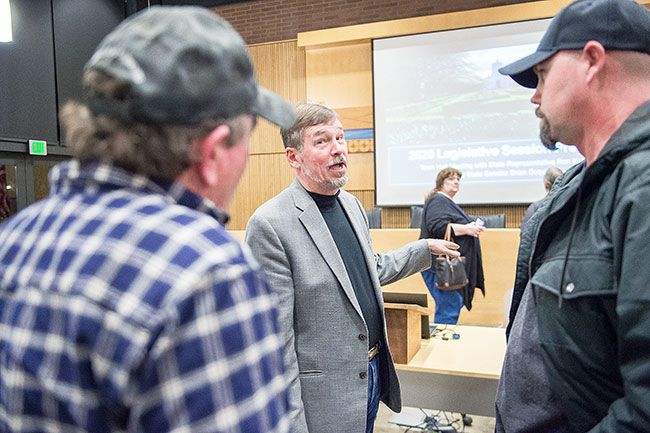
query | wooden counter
(458,375)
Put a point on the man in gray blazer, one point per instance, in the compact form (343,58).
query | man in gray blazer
(314,243)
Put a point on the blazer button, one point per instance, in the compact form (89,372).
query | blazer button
(363,374)
(362,337)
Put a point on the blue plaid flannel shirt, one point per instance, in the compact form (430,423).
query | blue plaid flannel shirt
(126,306)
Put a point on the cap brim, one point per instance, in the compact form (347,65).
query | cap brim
(522,70)
(273,108)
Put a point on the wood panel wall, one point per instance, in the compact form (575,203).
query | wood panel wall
(280,67)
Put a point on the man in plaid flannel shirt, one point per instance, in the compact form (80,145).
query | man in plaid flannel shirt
(124,303)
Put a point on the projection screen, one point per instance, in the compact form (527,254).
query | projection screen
(439,101)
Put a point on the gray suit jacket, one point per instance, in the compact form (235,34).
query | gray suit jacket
(325,336)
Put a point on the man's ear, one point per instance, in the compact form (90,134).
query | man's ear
(209,150)
(292,156)
(594,54)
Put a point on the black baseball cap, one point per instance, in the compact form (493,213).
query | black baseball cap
(616,24)
(182,65)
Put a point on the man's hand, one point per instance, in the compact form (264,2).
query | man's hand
(440,246)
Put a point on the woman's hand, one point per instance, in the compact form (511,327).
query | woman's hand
(474,229)
(469,229)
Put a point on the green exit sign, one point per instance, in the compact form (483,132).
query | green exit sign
(37,147)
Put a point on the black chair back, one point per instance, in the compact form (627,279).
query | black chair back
(416,216)
(497,221)
(374,218)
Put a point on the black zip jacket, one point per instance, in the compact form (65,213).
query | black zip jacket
(587,256)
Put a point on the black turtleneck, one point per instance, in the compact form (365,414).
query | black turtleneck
(355,263)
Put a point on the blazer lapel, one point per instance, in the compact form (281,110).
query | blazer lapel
(315,225)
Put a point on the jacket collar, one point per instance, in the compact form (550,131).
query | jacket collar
(92,176)
(631,136)
(313,221)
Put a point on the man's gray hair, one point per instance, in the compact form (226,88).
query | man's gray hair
(308,115)
(152,150)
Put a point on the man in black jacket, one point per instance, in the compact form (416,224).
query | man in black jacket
(549,179)
(578,356)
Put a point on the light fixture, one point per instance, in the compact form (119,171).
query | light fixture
(5,21)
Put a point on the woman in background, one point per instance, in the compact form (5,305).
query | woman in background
(439,211)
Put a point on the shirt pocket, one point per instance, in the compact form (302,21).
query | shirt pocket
(305,374)
(587,307)
(578,335)
(584,276)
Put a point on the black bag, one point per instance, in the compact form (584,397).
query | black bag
(450,272)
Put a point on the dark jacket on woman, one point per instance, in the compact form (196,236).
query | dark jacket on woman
(439,211)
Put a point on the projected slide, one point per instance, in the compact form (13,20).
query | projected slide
(440,102)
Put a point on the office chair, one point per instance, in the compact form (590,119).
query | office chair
(496,221)
(416,216)
(441,422)
(374,218)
